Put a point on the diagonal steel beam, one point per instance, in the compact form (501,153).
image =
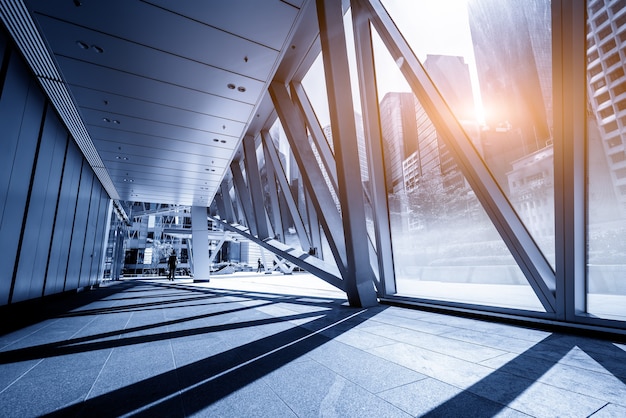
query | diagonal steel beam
(243,195)
(360,279)
(270,172)
(254,187)
(377,192)
(271,156)
(317,134)
(320,268)
(311,173)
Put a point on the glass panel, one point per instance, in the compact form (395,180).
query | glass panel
(606,161)
(491,61)
(444,245)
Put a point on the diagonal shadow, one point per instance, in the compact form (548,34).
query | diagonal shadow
(30,312)
(197,385)
(492,394)
(80,345)
(164,304)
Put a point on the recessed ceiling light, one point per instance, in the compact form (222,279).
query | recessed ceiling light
(106,120)
(82,45)
(241,89)
(97,49)
(216,140)
(223,141)
(231,86)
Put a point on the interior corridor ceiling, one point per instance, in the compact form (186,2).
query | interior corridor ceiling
(168,89)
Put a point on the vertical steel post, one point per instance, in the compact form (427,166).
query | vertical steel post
(359,278)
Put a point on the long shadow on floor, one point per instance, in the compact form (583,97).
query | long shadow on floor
(195,386)
(490,395)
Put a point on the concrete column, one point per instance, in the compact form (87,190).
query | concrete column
(200,238)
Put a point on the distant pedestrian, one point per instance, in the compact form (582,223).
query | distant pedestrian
(171,262)
(259,266)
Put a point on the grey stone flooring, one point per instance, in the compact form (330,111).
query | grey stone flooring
(263,346)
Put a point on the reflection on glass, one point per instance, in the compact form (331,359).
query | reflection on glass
(606,160)
(491,61)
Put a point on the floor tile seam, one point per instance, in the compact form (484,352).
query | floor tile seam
(570,364)
(417,330)
(53,321)
(427,347)
(21,376)
(311,358)
(111,350)
(374,394)
(370,351)
(539,381)
(283,401)
(179,392)
(488,346)
(443,335)
(81,328)
(424,377)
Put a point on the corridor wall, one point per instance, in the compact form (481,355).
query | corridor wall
(53,209)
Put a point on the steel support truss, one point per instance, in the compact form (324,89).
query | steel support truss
(561,291)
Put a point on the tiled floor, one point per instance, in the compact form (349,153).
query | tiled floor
(287,346)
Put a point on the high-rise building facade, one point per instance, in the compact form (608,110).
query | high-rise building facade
(512,45)
(400,135)
(606,40)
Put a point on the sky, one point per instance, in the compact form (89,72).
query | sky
(430,27)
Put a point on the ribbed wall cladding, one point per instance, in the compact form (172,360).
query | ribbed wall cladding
(21,26)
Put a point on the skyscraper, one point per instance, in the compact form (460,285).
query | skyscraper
(606,78)
(400,135)
(512,46)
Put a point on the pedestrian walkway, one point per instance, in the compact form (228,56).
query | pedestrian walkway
(289,346)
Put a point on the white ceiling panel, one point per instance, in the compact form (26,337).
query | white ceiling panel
(150,127)
(267,22)
(186,37)
(113,103)
(83,74)
(166,90)
(70,41)
(127,145)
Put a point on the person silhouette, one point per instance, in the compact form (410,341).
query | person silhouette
(171,262)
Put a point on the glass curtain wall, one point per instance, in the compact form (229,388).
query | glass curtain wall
(491,61)
(606,159)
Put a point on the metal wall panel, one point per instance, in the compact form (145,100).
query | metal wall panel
(90,236)
(51,204)
(77,241)
(21,106)
(102,228)
(59,252)
(29,280)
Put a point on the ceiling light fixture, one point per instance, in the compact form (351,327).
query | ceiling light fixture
(241,89)
(82,45)
(231,86)
(97,49)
